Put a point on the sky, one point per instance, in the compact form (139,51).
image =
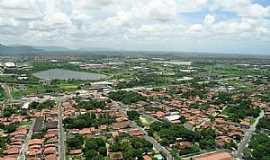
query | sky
(216,26)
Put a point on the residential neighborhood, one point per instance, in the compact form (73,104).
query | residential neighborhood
(135,110)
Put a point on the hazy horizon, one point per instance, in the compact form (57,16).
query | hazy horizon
(199,26)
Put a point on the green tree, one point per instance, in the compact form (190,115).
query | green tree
(133,115)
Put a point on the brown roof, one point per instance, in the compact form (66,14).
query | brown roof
(75,152)
(49,150)
(51,157)
(86,131)
(8,158)
(12,150)
(120,125)
(35,142)
(215,156)
(146,157)
(136,133)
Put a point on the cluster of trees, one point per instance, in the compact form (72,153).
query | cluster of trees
(240,109)
(8,111)
(75,141)
(95,149)
(2,94)
(207,138)
(126,97)
(3,142)
(9,128)
(223,98)
(87,120)
(48,104)
(266,97)
(259,147)
(133,115)
(91,104)
(131,147)
(143,80)
(199,106)
(264,123)
(168,132)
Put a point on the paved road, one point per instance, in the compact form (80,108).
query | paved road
(156,145)
(248,135)
(25,144)
(62,152)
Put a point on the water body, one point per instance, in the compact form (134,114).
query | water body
(63,74)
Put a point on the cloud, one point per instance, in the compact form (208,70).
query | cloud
(196,28)
(209,19)
(149,21)
(244,8)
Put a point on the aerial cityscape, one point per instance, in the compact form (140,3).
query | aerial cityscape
(134,80)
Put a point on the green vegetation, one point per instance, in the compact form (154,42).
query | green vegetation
(126,97)
(9,128)
(207,140)
(168,133)
(8,111)
(90,104)
(266,97)
(3,142)
(48,104)
(144,80)
(95,149)
(223,98)
(199,106)
(33,89)
(264,123)
(241,109)
(75,141)
(133,115)
(87,120)
(259,147)
(2,94)
(131,147)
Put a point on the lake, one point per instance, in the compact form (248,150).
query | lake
(63,74)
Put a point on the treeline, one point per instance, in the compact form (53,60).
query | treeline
(241,109)
(167,133)
(264,123)
(90,104)
(87,120)
(143,80)
(48,104)
(126,97)
(259,147)
(131,147)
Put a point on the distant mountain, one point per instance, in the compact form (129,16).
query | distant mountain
(18,50)
(53,48)
(95,49)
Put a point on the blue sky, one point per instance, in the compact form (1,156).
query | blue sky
(220,26)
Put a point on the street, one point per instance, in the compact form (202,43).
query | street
(25,144)
(156,145)
(61,139)
(247,137)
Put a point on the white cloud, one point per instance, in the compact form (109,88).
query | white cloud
(209,19)
(123,20)
(196,28)
(244,8)
(191,5)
